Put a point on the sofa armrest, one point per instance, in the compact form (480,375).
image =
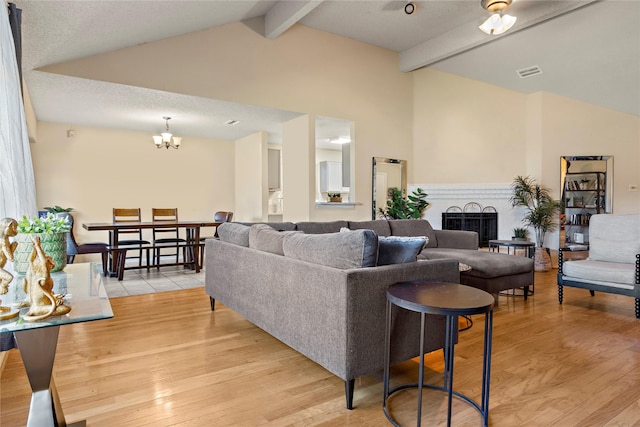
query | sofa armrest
(457,239)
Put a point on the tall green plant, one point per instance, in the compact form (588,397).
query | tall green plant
(541,207)
(401,207)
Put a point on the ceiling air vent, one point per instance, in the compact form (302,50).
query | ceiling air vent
(529,71)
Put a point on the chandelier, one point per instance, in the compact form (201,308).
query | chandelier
(497,23)
(166,139)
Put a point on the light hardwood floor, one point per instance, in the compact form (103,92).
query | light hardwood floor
(166,360)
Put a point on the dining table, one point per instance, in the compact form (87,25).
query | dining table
(192,235)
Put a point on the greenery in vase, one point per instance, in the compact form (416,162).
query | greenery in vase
(48,224)
(57,209)
(400,206)
(541,207)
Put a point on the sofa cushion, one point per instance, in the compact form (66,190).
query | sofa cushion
(263,237)
(339,250)
(279,226)
(414,227)
(233,232)
(486,265)
(380,226)
(399,249)
(313,227)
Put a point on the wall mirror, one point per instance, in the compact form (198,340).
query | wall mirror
(334,166)
(587,189)
(387,174)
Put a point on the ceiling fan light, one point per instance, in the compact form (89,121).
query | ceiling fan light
(497,24)
(495,5)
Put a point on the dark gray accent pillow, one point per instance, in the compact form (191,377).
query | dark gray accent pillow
(414,227)
(338,250)
(399,249)
(263,237)
(233,232)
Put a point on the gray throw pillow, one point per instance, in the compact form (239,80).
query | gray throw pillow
(338,250)
(232,232)
(399,249)
(263,237)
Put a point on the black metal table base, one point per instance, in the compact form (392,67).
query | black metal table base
(450,336)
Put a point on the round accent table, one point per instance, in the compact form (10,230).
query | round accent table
(450,300)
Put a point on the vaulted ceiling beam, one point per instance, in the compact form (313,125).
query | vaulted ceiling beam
(284,14)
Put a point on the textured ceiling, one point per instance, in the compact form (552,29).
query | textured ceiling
(587,50)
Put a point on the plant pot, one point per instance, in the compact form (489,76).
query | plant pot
(542,260)
(54,245)
(335,199)
(519,239)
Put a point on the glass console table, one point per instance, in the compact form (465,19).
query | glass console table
(37,341)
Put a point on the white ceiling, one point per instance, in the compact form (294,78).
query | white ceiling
(589,51)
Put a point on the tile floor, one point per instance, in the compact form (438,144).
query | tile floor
(137,282)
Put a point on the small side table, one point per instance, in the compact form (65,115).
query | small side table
(450,300)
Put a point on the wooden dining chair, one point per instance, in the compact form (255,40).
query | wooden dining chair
(220,216)
(124,215)
(171,235)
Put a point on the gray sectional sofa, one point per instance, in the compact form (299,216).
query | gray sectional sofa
(321,291)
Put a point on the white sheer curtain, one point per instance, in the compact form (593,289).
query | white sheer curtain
(17,183)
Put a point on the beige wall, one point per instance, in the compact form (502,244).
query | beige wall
(100,169)
(251,172)
(303,70)
(467,131)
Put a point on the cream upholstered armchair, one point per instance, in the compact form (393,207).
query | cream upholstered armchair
(613,264)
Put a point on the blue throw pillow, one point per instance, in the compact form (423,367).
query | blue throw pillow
(399,249)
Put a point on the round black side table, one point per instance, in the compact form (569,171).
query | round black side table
(450,300)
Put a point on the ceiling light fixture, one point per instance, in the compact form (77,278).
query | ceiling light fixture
(166,139)
(497,23)
(340,140)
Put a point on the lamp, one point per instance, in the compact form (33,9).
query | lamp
(166,139)
(497,23)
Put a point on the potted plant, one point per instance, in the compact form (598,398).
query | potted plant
(57,209)
(334,197)
(519,233)
(52,231)
(541,208)
(401,207)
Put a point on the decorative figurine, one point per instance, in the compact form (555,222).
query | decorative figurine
(38,285)
(8,228)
